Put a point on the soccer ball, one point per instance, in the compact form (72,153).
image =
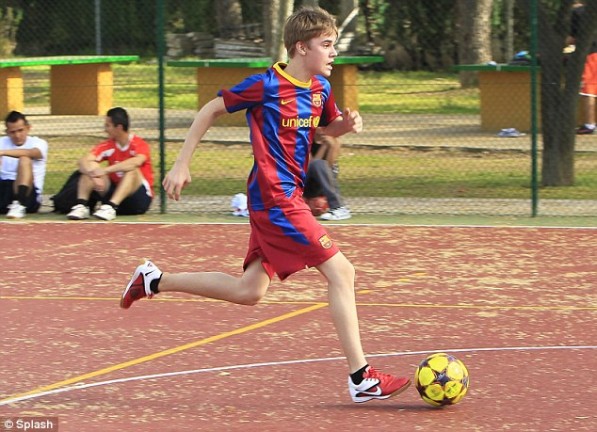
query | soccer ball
(441,379)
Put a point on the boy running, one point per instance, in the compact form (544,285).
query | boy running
(284,107)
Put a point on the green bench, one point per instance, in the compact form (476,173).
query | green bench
(79,85)
(216,74)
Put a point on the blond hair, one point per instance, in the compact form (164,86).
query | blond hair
(305,24)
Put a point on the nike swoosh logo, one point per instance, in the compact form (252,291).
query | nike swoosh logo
(286,101)
(369,392)
(149,272)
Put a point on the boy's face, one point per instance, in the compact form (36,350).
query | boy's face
(111,130)
(18,132)
(320,53)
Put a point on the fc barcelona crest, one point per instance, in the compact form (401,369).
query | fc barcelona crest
(325,241)
(316,99)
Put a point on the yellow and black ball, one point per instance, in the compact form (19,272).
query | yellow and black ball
(441,379)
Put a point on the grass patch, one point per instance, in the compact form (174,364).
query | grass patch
(399,172)
(219,169)
(415,93)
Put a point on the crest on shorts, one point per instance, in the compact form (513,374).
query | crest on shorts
(316,99)
(325,241)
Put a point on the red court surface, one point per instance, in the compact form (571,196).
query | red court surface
(517,305)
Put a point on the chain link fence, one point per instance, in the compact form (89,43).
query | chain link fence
(439,138)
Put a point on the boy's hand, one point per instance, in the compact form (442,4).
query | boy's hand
(352,120)
(176,180)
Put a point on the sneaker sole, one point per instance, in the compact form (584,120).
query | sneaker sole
(130,284)
(103,218)
(128,287)
(336,219)
(391,395)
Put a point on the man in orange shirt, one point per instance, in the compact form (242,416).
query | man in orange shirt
(588,90)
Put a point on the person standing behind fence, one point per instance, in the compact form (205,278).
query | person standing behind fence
(23,168)
(588,90)
(322,176)
(125,185)
(284,106)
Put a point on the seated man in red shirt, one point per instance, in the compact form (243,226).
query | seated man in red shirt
(125,184)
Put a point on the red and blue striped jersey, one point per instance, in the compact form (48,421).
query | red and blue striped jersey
(282,114)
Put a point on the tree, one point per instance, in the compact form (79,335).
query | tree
(10,18)
(229,18)
(474,35)
(275,14)
(560,83)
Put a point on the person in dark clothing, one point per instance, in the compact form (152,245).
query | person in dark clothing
(322,176)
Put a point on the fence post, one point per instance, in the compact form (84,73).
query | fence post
(160,54)
(534,24)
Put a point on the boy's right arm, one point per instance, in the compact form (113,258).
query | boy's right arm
(87,163)
(179,176)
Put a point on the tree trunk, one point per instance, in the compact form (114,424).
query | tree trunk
(474,41)
(275,14)
(560,83)
(558,109)
(346,17)
(509,19)
(229,18)
(559,96)
(10,18)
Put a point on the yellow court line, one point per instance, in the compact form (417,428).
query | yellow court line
(160,299)
(13,297)
(168,352)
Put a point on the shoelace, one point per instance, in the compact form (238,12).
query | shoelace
(373,373)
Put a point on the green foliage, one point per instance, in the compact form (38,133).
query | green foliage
(10,19)
(190,16)
(426,30)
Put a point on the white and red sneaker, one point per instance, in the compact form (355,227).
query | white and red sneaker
(376,385)
(139,285)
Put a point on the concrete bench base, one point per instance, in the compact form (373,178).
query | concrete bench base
(79,85)
(505,96)
(81,89)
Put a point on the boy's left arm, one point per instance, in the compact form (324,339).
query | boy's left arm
(126,165)
(349,121)
(33,153)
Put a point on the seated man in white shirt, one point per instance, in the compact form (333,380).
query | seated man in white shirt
(22,168)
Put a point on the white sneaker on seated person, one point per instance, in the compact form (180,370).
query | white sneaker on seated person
(340,213)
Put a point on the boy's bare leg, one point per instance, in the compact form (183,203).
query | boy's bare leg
(24,174)
(364,384)
(85,187)
(247,289)
(128,185)
(340,275)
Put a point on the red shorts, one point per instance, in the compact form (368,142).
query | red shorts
(589,76)
(288,239)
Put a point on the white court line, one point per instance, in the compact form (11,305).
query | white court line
(361,224)
(82,386)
